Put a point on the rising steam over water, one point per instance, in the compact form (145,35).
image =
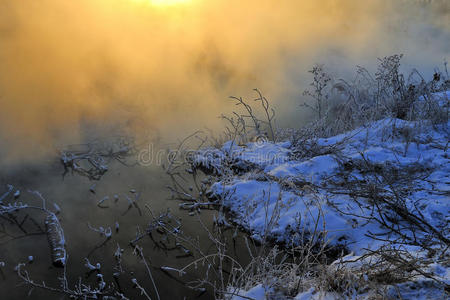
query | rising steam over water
(73,70)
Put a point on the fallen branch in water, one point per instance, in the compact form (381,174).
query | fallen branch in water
(55,235)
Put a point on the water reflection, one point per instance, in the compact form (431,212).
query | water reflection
(79,207)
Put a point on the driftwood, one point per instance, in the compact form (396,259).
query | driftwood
(55,235)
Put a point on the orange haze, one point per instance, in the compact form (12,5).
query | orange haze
(71,70)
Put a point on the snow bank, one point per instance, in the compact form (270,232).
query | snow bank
(274,196)
(263,194)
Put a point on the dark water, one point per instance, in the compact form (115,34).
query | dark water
(78,207)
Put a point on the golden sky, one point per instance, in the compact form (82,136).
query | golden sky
(147,66)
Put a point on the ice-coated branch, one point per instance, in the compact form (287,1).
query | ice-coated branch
(55,235)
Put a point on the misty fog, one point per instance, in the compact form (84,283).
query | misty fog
(71,71)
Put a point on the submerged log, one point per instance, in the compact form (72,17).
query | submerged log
(55,235)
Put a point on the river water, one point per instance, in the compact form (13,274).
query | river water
(79,208)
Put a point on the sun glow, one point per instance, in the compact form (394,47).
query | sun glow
(168,2)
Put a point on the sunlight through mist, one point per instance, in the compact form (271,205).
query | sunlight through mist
(122,66)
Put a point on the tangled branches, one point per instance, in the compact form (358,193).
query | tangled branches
(91,160)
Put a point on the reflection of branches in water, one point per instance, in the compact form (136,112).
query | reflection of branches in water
(175,231)
(92,159)
(133,203)
(102,244)
(13,219)
(105,232)
(158,225)
(10,212)
(80,290)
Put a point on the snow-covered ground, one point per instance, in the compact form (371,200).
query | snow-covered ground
(333,195)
